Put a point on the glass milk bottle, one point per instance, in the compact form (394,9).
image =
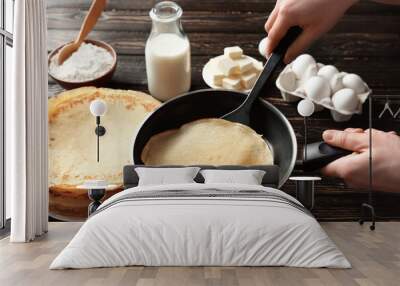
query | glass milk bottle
(167,53)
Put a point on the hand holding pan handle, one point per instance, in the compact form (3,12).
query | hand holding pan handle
(320,154)
(242,113)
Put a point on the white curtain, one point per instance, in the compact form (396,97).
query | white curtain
(26,124)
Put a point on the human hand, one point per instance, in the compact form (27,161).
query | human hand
(315,17)
(353,168)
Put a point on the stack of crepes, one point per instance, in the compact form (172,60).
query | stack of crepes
(72,143)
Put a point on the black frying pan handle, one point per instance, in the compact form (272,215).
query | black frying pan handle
(287,41)
(273,61)
(320,154)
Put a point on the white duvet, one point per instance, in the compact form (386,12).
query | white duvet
(188,231)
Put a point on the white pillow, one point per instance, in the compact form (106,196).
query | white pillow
(247,177)
(165,176)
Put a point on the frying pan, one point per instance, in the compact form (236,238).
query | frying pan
(265,119)
(255,112)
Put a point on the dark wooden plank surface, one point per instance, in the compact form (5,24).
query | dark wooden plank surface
(262,6)
(366,41)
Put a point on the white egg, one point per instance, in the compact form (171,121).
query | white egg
(328,72)
(345,100)
(305,107)
(287,80)
(310,71)
(262,47)
(317,88)
(336,82)
(301,63)
(354,82)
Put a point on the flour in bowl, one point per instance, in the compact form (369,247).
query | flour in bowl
(87,63)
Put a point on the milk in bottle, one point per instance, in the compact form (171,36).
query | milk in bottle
(167,53)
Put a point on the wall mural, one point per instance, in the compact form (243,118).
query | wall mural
(92,129)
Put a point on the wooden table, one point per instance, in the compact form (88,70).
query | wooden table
(366,41)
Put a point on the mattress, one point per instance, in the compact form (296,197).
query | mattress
(201,225)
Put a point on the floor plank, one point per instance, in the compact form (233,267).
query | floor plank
(375,257)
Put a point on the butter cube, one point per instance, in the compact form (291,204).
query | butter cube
(258,66)
(233,52)
(228,67)
(245,64)
(232,83)
(217,78)
(214,72)
(248,79)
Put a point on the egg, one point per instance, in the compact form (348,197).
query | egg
(305,107)
(345,100)
(310,71)
(262,47)
(328,72)
(354,82)
(287,80)
(301,63)
(317,89)
(336,82)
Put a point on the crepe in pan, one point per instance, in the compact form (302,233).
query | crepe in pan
(210,141)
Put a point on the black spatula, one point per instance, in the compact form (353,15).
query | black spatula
(242,113)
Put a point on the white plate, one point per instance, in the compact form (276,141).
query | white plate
(210,66)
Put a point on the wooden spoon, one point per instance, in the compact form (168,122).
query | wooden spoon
(94,13)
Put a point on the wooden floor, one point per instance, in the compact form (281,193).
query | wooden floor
(375,257)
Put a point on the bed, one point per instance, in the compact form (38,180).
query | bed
(201,224)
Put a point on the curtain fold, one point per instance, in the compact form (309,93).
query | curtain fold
(26,124)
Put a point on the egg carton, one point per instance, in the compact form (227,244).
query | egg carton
(345,104)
